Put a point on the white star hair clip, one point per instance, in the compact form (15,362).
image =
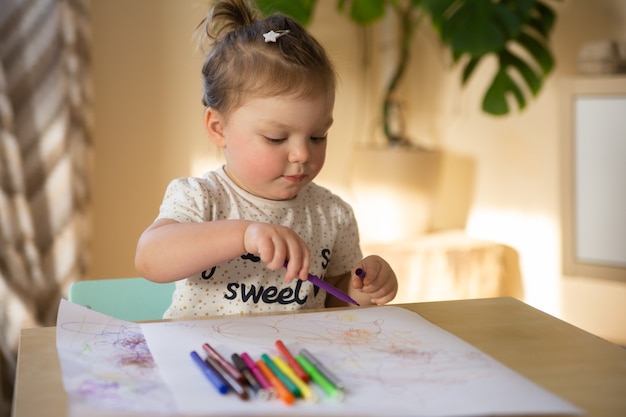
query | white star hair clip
(272,35)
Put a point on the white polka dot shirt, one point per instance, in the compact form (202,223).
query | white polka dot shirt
(243,285)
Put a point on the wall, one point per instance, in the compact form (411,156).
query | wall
(149,130)
(142,134)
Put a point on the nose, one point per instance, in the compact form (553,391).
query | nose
(299,152)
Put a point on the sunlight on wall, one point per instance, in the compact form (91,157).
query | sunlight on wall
(204,163)
(390,214)
(536,238)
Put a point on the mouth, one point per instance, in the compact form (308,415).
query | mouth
(295,179)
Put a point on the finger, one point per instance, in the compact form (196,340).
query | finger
(279,256)
(306,262)
(359,271)
(266,253)
(292,264)
(357,283)
(372,274)
(386,293)
(358,275)
(377,287)
(386,298)
(299,258)
(292,270)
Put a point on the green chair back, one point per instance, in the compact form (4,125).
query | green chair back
(130,299)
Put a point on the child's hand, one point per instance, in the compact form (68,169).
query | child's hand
(276,244)
(377,279)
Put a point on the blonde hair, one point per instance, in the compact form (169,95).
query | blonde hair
(241,64)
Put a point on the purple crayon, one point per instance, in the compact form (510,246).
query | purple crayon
(329,288)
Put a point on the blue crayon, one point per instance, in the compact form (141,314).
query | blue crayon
(231,382)
(211,374)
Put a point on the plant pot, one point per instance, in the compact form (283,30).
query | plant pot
(394,191)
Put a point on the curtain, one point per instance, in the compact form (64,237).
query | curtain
(45,165)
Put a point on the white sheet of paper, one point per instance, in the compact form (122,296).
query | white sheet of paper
(107,365)
(392,361)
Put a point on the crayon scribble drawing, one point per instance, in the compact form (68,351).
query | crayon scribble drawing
(106,364)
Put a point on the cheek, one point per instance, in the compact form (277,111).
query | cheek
(259,161)
(319,155)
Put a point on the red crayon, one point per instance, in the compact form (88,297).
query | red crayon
(292,361)
(232,371)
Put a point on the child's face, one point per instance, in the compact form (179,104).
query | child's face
(275,146)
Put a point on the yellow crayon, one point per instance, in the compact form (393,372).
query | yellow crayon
(307,393)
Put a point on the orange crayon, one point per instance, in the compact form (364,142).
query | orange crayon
(282,391)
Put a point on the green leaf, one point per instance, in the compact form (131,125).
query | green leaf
(469,69)
(438,10)
(523,8)
(300,10)
(478,27)
(530,23)
(363,12)
(538,51)
(532,79)
(542,19)
(495,99)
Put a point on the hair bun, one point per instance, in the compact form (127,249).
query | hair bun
(227,16)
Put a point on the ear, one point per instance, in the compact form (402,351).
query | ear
(214,123)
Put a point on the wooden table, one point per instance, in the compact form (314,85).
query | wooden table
(580,367)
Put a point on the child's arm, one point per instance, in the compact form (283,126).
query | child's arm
(168,250)
(378,286)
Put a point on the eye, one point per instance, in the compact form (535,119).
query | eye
(318,139)
(275,141)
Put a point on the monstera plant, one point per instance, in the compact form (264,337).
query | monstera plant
(515,32)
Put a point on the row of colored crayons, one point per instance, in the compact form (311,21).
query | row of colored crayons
(284,375)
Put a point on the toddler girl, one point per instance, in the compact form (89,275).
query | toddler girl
(269,91)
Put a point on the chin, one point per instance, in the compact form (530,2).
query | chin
(286,195)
